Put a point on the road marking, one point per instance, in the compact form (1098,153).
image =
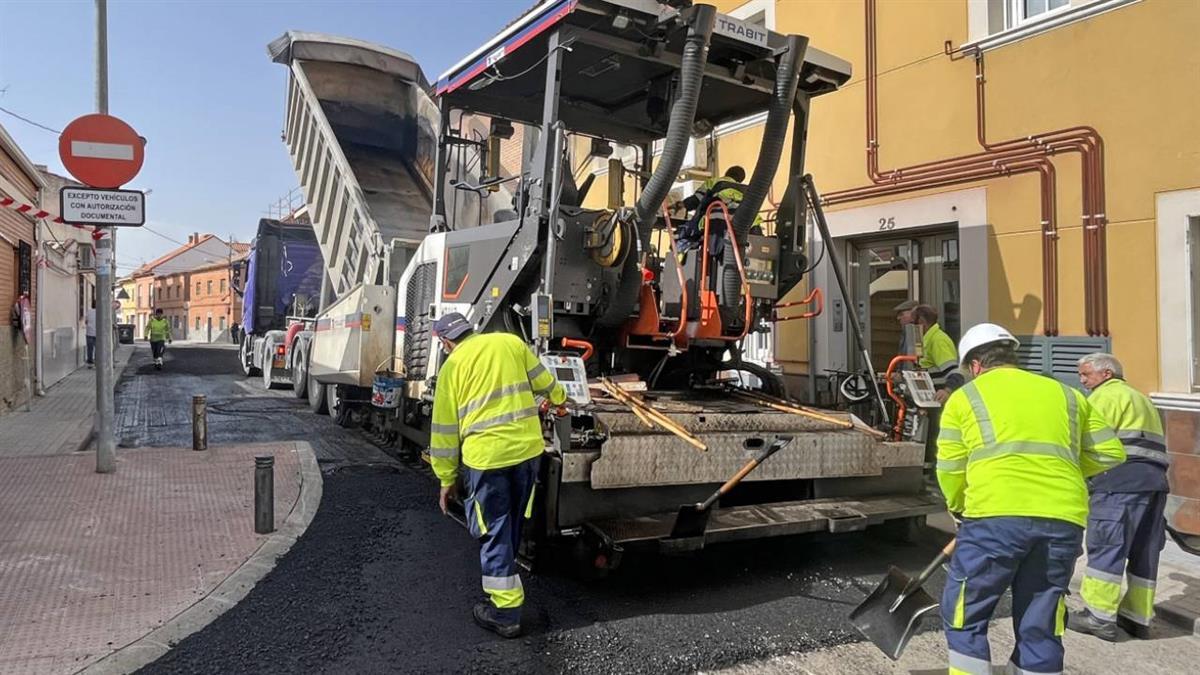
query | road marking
(102,150)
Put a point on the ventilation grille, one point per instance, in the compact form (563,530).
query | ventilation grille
(1058,356)
(418,298)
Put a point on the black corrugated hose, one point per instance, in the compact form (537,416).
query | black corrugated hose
(787,78)
(679,133)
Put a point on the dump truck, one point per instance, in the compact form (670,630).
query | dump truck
(279,300)
(645,336)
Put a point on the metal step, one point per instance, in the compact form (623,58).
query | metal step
(776,520)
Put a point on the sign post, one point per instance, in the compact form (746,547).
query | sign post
(103,153)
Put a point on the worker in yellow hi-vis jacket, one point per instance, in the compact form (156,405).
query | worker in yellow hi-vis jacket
(1013,453)
(485,418)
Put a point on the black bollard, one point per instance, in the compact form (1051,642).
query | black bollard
(264,494)
(199,422)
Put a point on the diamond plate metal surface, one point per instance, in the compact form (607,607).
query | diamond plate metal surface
(625,422)
(654,459)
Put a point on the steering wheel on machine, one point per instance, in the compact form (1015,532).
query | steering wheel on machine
(855,388)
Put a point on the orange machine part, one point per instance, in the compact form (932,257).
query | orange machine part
(901,408)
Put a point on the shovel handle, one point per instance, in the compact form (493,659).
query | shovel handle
(947,551)
(775,446)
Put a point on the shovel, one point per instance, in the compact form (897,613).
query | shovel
(692,520)
(890,613)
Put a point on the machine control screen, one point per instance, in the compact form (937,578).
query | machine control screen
(569,371)
(920,387)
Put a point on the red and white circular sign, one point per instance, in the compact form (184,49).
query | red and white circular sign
(101,151)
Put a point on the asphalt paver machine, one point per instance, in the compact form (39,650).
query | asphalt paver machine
(643,334)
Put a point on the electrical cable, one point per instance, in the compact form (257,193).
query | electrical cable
(30,122)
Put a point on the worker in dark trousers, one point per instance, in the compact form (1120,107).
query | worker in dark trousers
(158,330)
(1126,531)
(485,419)
(1013,453)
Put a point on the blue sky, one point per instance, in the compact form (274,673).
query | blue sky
(194,79)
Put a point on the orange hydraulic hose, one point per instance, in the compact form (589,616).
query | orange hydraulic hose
(586,346)
(901,407)
(816,295)
(683,306)
(737,257)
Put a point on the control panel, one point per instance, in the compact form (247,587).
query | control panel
(569,371)
(920,387)
(762,266)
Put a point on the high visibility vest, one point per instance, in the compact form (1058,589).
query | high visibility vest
(938,355)
(159,329)
(484,413)
(1134,418)
(732,197)
(1013,443)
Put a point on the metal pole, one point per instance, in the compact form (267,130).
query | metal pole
(102,56)
(264,494)
(199,422)
(836,262)
(106,461)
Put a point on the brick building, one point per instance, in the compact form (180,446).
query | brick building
(19,180)
(214,306)
(163,281)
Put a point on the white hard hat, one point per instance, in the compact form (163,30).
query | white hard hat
(982,334)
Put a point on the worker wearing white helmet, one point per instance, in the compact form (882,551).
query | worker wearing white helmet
(1013,452)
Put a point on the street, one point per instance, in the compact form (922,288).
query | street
(382,581)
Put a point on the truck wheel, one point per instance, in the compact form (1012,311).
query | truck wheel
(247,359)
(267,370)
(316,397)
(300,373)
(337,409)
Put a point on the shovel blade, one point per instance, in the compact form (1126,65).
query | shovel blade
(887,629)
(691,522)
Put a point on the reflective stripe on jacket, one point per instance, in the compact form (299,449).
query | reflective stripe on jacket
(1135,419)
(732,197)
(940,357)
(159,330)
(1013,443)
(483,407)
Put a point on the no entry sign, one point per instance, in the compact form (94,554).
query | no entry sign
(101,151)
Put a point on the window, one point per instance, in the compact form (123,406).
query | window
(222,287)
(761,12)
(457,265)
(994,23)
(210,286)
(1023,11)
(197,288)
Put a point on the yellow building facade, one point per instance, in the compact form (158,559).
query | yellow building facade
(128,311)
(974,249)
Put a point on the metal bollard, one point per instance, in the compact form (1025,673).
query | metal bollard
(264,494)
(199,423)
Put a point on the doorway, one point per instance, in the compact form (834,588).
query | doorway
(887,271)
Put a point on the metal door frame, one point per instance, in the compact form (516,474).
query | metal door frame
(916,239)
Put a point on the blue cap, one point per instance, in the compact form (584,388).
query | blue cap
(451,326)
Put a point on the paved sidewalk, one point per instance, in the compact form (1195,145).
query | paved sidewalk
(91,563)
(62,420)
(1174,647)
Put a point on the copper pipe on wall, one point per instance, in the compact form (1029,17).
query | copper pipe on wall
(1002,159)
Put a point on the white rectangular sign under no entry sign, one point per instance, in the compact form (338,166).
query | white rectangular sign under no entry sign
(106,208)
